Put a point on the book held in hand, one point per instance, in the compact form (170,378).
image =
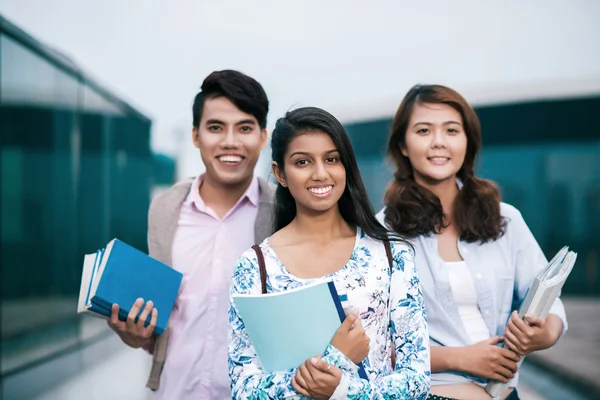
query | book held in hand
(289,327)
(542,293)
(121,274)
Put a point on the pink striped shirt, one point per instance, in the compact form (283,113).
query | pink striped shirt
(205,249)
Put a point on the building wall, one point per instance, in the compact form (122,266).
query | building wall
(76,172)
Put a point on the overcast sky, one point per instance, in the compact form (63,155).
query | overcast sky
(340,55)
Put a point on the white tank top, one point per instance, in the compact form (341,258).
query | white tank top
(465,297)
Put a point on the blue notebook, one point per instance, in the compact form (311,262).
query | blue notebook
(287,328)
(121,274)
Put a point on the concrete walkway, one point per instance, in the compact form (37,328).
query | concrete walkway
(122,376)
(576,358)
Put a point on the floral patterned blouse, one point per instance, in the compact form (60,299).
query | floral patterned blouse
(390,307)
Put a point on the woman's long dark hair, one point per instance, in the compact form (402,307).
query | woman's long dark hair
(354,204)
(413,210)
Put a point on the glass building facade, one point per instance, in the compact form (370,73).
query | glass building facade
(76,172)
(544,155)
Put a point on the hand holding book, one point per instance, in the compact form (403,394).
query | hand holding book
(282,347)
(135,332)
(351,339)
(540,297)
(316,379)
(524,336)
(488,360)
(120,275)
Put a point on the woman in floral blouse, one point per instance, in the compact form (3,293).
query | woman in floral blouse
(325,229)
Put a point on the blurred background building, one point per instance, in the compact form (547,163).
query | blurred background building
(77,171)
(80,164)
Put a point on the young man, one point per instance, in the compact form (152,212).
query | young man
(200,227)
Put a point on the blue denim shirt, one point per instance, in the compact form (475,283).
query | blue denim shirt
(502,271)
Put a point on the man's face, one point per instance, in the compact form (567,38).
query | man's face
(230,142)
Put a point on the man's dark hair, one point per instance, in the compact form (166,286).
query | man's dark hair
(243,91)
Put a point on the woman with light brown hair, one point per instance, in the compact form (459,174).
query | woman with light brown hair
(475,256)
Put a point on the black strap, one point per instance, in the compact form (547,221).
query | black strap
(388,252)
(261,268)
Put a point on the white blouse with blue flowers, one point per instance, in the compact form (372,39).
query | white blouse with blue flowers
(391,310)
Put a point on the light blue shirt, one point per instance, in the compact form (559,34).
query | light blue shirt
(502,272)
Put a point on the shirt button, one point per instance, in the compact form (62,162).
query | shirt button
(487,312)
(478,276)
(214,299)
(464,250)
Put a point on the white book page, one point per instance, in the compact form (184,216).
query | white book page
(101,268)
(86,276)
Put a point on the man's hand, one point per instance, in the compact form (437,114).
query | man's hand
(134,334)
(316,379)
(524,337)
(487,360)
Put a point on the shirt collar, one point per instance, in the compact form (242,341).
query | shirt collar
(252,193)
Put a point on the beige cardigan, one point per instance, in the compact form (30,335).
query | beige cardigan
(162,223)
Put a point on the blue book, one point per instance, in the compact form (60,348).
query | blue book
(120,274)
(287,328)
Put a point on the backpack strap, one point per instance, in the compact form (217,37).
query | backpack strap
(261,268)
(388,252)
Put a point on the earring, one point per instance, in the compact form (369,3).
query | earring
(283,184)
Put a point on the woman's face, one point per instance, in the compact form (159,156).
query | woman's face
(436,143)
(313,172)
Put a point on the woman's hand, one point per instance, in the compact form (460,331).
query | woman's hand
(524,337)
(487,360)
(351,339)
(316,379)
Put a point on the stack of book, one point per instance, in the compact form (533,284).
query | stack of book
(120,274)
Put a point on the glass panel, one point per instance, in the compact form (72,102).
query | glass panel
(556,187)
(101,134)
(40,273)
(76,172)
